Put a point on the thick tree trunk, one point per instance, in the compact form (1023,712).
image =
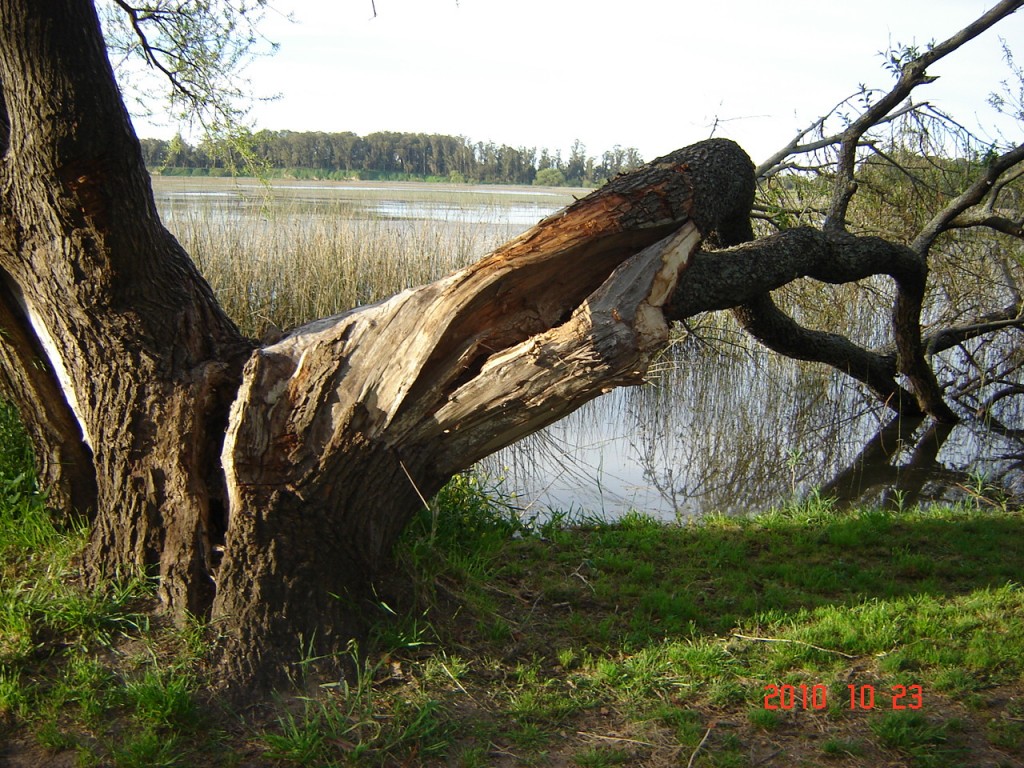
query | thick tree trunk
(138,362)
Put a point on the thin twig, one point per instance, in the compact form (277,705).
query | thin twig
(796,642)
(414,486)
(615,738)
(457,683)
(693,757)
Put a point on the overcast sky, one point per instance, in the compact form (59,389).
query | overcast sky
(652,74)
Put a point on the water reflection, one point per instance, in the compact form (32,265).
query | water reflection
(743,432)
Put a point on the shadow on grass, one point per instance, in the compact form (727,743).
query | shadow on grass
(639,581)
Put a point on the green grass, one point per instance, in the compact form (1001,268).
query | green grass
(586,644)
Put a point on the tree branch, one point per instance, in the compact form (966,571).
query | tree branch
(1000,222)
(775,164)
(744,274)
(947,338)
(912,74)
(956,209)
(149,52)
(763,320)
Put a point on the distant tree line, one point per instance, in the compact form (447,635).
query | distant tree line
(391,155)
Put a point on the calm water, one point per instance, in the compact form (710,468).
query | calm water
(735,436)
(722,427)
(520,207)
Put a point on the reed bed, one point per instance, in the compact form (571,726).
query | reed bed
(290,268)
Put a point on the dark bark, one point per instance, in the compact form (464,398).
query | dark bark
(742,276)
(5,122)
(145,359)
(63,460)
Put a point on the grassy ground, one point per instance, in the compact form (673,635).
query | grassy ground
(574,643)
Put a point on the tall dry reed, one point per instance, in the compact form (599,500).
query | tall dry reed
(290,269)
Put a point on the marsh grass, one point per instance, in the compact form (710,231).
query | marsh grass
(291,265)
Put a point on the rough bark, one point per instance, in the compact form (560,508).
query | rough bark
(130,335)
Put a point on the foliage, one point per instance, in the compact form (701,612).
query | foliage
(549,177)
(189,55)
(392,155)
(1009,100)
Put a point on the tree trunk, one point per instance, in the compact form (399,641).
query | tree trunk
(138,361)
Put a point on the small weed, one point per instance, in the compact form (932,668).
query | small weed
(688,724)
(396,632)
(956,681)
(567,658)
(914,734)
(149,749)
(53,738)
(765,719)
(299,740)
(163,699)
(1006,734)
(473,757)
(842,748)
(12,696)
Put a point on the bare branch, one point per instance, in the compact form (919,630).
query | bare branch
(973,195)
(912,74)
(775,163)
(1002,221)
(947,338)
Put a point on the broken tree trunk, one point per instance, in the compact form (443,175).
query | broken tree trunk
(341,428)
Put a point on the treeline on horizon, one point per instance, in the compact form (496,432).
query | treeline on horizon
(388,155)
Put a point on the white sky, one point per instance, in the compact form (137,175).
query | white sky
(653,74)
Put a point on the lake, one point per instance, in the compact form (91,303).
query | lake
(723,426)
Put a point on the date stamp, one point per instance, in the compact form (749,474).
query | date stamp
(856,697)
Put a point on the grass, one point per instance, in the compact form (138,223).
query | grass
(333,264)
(574,643)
